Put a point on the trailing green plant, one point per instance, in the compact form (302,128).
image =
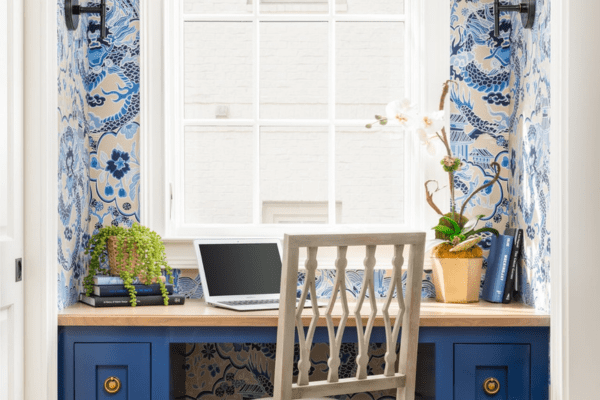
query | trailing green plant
(140,252)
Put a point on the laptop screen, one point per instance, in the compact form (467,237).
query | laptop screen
(241,268)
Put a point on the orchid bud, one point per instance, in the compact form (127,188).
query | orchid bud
(383,121)
(378,117)
(369,126)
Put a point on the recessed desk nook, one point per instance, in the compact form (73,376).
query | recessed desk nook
(461,346)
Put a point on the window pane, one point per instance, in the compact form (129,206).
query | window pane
(218,175)
(293,169)
(294,6)
(370,175)
(217,6)
(293,70)
(218,70)
(370,6)
(370,67)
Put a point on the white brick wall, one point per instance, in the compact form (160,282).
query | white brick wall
(369,169)
(369,67)
(218,172)
(218,68)
(296,175)
(218,175)
(294,84)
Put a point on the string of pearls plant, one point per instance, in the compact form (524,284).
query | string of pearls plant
(140,253)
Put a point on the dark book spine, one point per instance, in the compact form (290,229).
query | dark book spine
(121,290)
(492,269)
(125,301)
(495,277)
(512,267)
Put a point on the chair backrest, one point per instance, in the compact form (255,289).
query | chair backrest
(407,316)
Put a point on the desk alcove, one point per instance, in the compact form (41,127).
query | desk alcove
(461,345)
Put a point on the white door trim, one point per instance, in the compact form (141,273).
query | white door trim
(558,211)
(575,185)
(41,199)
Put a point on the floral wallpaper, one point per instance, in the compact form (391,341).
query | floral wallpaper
(500,112)
(73,177)
(112,84)
(529,182)
(99,169)
(241,371)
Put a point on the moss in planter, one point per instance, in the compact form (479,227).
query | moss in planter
(443,251)
(444,222)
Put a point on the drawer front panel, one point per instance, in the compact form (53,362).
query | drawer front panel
(96,362)
(509,364)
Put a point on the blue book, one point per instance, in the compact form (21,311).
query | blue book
(121,290)
(497,268)
(115,280)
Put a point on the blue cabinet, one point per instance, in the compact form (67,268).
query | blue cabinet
(123,367)
(459,358)
(506,366)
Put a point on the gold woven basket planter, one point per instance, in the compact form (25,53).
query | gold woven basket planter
(116,267)
(457,280)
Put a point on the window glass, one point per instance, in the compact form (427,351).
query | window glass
(218,70)
(369,168)
(369,67)
(218,178)
(293,169)
(293,70)
(372,6)
(217,6)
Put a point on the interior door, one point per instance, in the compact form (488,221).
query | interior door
(11,200)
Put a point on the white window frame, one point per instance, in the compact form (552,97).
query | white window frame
(162,112)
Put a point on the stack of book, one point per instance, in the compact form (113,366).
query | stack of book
(109,291)
(501,277)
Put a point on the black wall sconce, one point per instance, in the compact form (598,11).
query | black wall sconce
(73,10)
(526,8)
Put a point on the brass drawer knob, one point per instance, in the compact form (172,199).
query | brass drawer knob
(491,386)
(112,385)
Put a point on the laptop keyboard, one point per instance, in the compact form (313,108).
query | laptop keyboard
(267,301)
(250,302)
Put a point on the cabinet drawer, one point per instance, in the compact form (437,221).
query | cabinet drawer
(96,362)
(509,364)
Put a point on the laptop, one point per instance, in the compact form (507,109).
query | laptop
(240,274)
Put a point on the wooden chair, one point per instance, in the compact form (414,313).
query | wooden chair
(408,316)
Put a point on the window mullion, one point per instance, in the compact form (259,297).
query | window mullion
(256,207)
(177,197)
(331,84)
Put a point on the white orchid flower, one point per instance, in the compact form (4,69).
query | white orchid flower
(431,122)
(427,141)
(400,112)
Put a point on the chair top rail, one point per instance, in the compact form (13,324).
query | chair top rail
(355,239)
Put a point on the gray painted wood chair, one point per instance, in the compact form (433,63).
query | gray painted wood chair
(407,317)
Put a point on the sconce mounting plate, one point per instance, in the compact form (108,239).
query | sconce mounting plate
(71,18)
(528,14)
(526,8)
(73,10)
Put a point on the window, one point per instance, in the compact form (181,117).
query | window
(265,107)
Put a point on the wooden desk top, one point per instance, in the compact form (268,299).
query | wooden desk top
(196,313)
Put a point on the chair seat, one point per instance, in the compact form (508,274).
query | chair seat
(316,398)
